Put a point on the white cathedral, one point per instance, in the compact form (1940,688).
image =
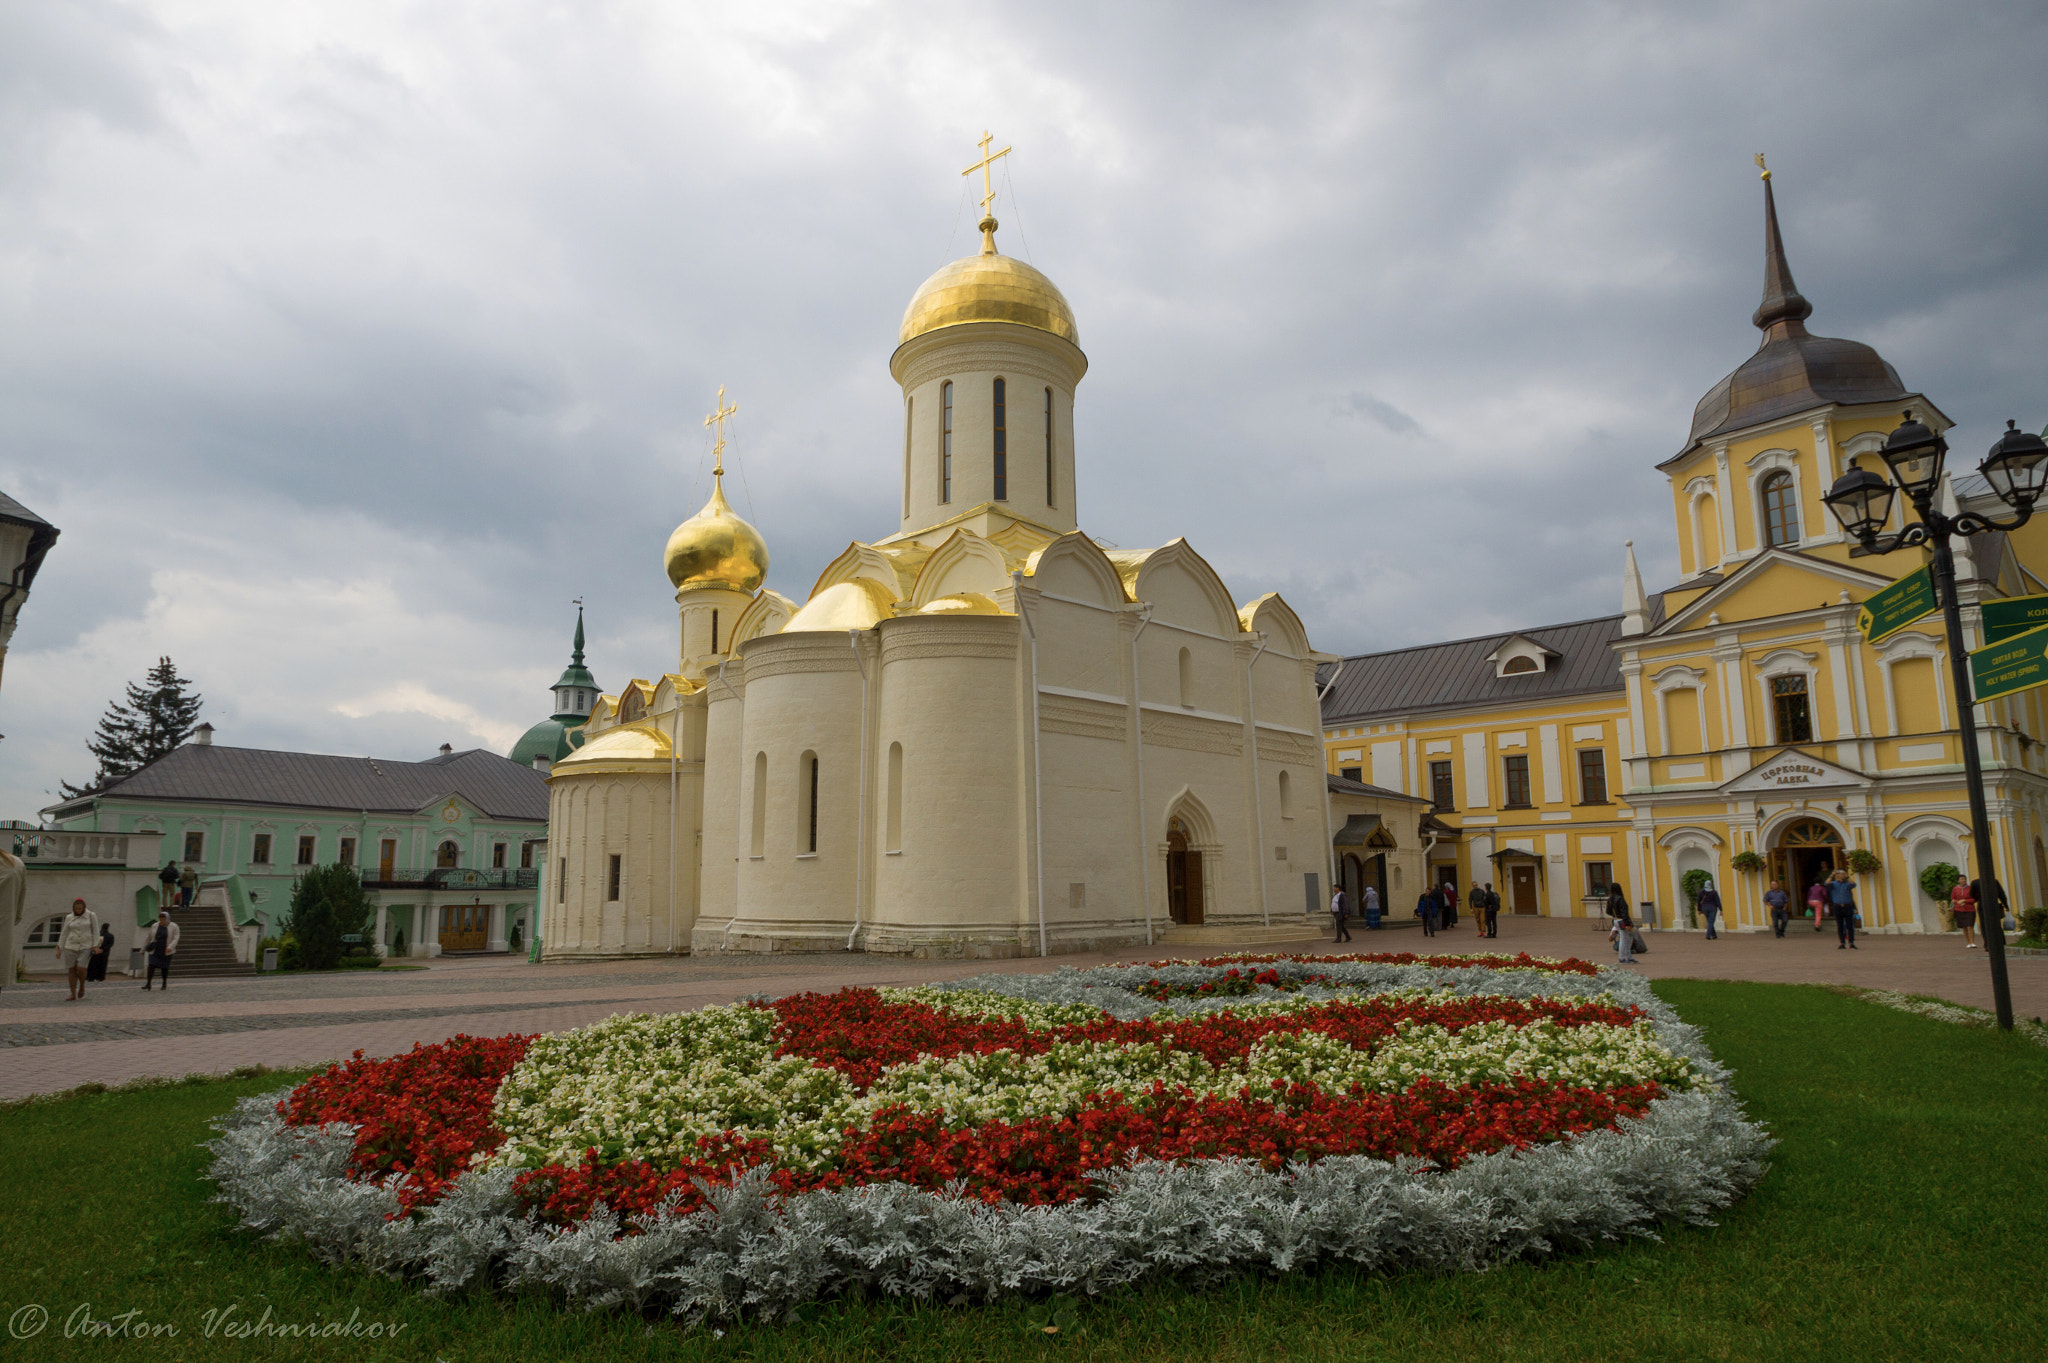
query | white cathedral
(982,735)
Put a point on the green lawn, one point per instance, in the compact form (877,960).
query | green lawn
(1908,1172)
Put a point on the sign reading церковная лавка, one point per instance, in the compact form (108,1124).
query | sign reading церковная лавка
(2010,665)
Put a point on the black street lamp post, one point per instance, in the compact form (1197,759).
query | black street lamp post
(2017,469)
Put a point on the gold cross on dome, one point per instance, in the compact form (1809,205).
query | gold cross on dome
(988,193)
(717,421)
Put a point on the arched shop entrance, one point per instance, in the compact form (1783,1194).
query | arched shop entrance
(1183,876)
(1806,852)
(1362,845)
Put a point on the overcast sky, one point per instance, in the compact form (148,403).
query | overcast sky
(347,343)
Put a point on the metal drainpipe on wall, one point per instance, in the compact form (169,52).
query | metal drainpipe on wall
(675,729)
(1138,718)
(860,851)
(1037,770)
(725,938)
(1329,819)
(1251,710)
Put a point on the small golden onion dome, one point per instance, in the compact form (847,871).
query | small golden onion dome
(961,603)
(860,604)
(716,548)
(989,288)
(617,749)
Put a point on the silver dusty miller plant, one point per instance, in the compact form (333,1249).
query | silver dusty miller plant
(755,1252)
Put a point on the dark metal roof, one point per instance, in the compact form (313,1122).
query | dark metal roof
(1344,785)
(1444,676)
(1792,370)
(499,788)
(1357,831)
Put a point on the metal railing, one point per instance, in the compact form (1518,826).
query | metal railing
(380,877)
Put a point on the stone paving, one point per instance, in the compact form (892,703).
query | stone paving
(215,1025)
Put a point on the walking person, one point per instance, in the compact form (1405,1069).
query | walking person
(1372,909)
(1475,900)
(1492,911)
(1780,905)
(168,878)
(1340,910)
(1817,901)
(163,945)
(1710,908)
(1962,901)
(74,946)
(1993,901)
(1623,932)
(188,885)
(1617,901)
(1842,899)
(1430,909)
(96,968)
(1447,891)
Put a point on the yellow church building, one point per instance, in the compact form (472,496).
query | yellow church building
(1737,712)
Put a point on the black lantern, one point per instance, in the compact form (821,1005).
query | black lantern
(1914,454)
(2017,467)
(1862,502)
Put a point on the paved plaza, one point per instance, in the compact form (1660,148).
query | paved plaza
(212,1026)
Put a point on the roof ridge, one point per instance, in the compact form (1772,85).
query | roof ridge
(1480,638)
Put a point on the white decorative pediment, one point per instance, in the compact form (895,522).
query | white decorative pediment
(1794,770)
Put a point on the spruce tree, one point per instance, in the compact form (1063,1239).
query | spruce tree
(157,716)
(327,902)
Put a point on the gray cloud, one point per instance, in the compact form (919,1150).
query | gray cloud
(346,346)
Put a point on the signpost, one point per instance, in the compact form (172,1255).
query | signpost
(2015,664)
(1886,612)
(2003,619)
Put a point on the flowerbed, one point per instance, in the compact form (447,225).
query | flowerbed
(1019,1121)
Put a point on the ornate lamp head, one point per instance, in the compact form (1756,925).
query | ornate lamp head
(2017,467)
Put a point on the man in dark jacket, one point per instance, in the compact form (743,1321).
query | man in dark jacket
(1492,911)
(1430,909)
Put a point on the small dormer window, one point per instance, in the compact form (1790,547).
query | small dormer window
(1519,655)
(1514,665)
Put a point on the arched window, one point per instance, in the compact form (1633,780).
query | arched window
(807,802)
(446,854)
(1002,445)
(714,631)
(946,441)
(1286,796)
(760,829)
(893,836)
(909,424)
(1187,679)
(1050,499)
(1513,665)
(1781,511)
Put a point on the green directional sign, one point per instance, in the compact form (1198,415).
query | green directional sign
(1887,612)
(2014,664)
(2003,619)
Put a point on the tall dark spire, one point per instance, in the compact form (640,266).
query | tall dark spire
(577,659)
(1784,310)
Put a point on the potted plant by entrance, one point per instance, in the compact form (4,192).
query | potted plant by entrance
(1935,882)
(1863,862)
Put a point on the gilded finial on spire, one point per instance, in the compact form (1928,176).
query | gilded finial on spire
(717,421)
(988,192)
(1762,167)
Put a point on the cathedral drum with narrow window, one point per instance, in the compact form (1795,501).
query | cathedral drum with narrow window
(981,734)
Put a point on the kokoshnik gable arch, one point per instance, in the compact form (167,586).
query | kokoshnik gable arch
(980,735)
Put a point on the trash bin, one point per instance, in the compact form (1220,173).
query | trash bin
(1646,914)
(269,959)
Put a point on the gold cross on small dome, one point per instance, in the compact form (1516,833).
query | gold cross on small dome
(717,421)
(988,158)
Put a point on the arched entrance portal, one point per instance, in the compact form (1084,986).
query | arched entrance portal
(1807,852)
(1183,875)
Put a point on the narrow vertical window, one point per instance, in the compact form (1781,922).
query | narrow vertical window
(760,829)
(946,441)
(714,631)
(909,425)
(894,836)
(1592,776)
(1516,771)
(1788,701)
(611,879)
(1187,679)
(1002,446)
(348,851)
(562,882)
(498,856)
(1443,792)
(1781,512)
(1286,796)
(807,802)
(1050,499)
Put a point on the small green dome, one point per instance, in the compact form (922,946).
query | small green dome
(549,739)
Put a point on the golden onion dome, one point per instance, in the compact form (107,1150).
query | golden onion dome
(716,548)
(989,287)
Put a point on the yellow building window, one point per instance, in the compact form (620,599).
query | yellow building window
(1788,705)
(1781,511)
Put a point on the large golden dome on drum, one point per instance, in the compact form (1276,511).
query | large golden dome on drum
(989,288)
(716,548)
